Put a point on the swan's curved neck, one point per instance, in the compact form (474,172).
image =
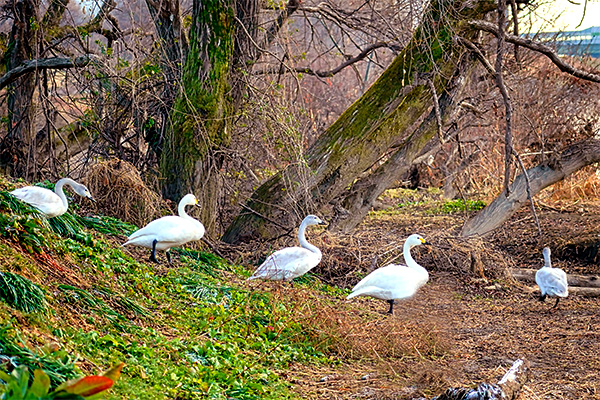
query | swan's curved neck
(58,189)
(410,261)
(547,260)
(181,210)
(303,242)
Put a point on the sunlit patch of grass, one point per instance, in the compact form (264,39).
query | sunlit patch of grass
(458,205)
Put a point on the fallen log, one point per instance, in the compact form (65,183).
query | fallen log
(587,281)
(507,388)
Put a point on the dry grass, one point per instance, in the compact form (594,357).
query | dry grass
(120,192)
(348,333)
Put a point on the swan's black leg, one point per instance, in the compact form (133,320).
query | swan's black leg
(542,297)
(391,310)
(153,255)
(168,253)
(555,304)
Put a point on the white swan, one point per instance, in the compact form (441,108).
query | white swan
(52,204)
(395,281)
(291,262)
(552,281)
(170,231)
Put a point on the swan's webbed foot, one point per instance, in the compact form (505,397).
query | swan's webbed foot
(391,310)
(555,304)
(153,254)
(168,254)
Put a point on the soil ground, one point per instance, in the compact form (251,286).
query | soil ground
(470,322)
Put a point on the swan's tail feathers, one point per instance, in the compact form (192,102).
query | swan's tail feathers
(367,290)
(126,243)
(252,278)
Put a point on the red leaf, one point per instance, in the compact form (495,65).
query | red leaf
(89,385)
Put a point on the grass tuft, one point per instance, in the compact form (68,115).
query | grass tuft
(20,293)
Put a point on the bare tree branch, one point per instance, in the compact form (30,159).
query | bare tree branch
(46,63)
(324,74)
(540,48)
(572,159)
(515,21)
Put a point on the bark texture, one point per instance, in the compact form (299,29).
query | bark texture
(174,45)
(22,46)
(366,130)
(503,207)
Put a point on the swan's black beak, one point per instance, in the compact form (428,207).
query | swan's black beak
(92,199)
(323,223)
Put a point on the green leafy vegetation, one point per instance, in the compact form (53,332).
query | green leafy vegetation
(183,332)
(57,363)
(191,330)
(16,385)
(459,205)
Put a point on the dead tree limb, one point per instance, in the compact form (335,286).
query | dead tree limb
(507,388)
(574,280)
(46,63)
(574,158)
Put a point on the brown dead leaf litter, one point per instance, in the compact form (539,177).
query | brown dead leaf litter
(470,322)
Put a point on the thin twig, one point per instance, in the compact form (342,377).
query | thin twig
(245,207)
(528,188)
(538,47)
(508,149)
(513,8)
(436,107)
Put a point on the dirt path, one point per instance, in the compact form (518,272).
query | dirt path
(482,335)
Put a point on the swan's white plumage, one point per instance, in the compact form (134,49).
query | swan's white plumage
(291,262)
(170,231)
(52,204)
(551,281)
(395,281)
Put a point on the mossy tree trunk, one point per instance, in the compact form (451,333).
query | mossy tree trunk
(192,154)
(367,129)
(358,201)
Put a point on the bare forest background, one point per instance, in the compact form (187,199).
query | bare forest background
(271,110)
